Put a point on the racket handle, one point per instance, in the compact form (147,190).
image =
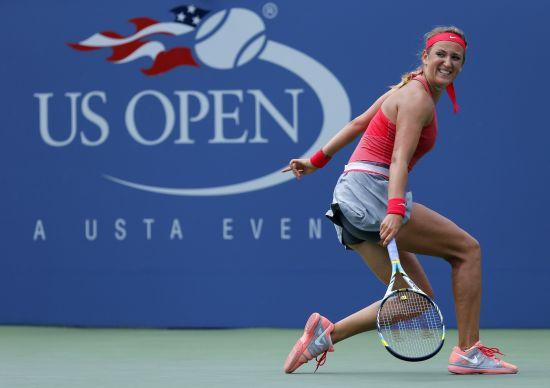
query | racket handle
(392,250)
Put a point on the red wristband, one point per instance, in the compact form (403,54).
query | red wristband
(319,159)
(397,206)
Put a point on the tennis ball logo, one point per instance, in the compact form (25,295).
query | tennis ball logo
(230,38)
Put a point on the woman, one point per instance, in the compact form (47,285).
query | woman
(371,207)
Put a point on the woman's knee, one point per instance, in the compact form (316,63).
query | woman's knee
(467,250)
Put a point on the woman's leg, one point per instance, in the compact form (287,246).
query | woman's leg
(429,233)
(376,257)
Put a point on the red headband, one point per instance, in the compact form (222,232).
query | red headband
(448,37)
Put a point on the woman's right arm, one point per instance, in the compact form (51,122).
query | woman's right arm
(354,128)
(345,136)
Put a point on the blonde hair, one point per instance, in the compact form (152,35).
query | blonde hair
(405,78)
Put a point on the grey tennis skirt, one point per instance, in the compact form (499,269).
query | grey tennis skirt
(360,202)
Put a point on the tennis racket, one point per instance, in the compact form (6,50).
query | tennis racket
(409,323)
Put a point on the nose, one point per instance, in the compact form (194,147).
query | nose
(448,62)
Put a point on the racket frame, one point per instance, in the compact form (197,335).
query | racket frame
(396,267)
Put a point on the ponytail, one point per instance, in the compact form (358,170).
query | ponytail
(405,78)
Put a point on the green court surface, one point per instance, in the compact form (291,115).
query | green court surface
(69,357)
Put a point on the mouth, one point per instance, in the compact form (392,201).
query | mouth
(445,73)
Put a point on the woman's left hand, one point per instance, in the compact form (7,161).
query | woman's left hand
(389,228)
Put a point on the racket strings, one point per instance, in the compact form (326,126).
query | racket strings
(411,324)
(406,329)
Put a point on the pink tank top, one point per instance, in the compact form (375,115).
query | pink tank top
(376,144)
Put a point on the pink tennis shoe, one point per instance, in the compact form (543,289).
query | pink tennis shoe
(478,359)
(313,343)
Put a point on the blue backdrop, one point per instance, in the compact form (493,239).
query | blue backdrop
(155,200)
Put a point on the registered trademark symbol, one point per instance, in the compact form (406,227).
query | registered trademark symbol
(270,10)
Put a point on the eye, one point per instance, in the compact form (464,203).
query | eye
(440,54)
(456,57)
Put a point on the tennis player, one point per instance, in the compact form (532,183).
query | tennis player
(371,206)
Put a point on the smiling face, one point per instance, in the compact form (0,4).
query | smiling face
(442,63)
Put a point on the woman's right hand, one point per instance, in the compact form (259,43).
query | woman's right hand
(389,228)
(300,167)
